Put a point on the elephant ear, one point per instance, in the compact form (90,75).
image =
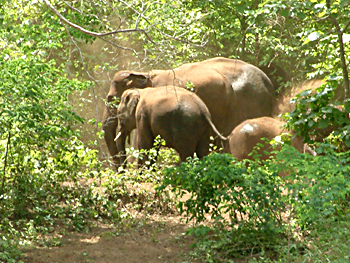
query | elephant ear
(132,100)
(139,80)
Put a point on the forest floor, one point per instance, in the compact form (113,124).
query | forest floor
(152,239)
(156,237)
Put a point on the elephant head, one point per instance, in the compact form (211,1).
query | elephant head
(126,119)
(122,81)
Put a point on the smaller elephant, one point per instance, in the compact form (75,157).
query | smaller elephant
(248,134)
(179,116)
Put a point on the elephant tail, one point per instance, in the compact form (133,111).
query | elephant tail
(214,128)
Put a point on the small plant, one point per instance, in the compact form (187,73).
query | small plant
(190,86)
(126,186)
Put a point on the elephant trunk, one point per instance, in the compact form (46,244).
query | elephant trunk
(109,127)
(120,142)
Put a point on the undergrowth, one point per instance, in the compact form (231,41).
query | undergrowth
(245,209)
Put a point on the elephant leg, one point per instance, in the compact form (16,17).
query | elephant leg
(184,155)
(202,148)
(121,150)
(185,147)
(145,141)
(109,127)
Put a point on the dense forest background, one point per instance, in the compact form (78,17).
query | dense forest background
(57,59)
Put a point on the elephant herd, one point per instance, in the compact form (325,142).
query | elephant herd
(229,99)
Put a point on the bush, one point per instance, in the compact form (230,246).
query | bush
(44,166)
(245,203)
(252,209)
(315,117)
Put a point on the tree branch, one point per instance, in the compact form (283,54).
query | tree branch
(100,35)
(78,11)
(159,31)
(346,27)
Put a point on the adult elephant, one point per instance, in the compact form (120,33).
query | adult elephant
(179,116)
(233,91)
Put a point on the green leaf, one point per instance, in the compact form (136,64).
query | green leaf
(301,15)
(323,123)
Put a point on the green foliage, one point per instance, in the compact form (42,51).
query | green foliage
(244,202)
(315,117)
(318,186)
(212,184)
(47,175)
(329,241)
(9,251)
(132,190)
(41,152)
(253,208)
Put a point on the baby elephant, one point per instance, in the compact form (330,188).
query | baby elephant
(246,135)
(179,116)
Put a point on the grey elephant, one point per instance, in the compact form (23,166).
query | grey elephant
(179,116)
(232,90)
(248,134)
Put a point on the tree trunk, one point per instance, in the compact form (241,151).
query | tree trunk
(340,33)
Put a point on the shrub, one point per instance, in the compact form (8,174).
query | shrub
(252,209)
(315,117)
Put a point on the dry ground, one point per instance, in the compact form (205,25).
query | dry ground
(157,239)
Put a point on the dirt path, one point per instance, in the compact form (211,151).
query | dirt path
(153,240)
(159,237)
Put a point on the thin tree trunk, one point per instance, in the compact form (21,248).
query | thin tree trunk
(342,52)
(344,66)
(243,30)
(5,162)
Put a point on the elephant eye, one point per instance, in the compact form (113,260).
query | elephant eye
(127,99)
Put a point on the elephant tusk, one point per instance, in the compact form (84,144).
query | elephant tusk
(118,135)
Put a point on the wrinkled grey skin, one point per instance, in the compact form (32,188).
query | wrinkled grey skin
(179,116)
(248,134)
(232,90)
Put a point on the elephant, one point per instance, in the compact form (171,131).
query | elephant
(233,91)
(179,116)
(248,134)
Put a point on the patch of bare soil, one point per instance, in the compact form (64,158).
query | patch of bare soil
(160,239)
